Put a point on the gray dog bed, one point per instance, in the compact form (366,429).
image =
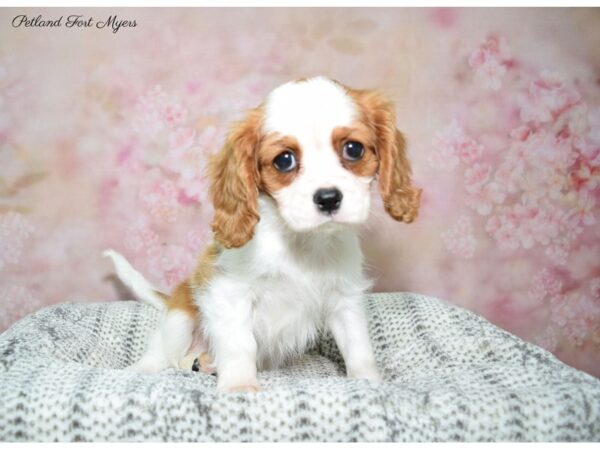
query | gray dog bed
(449,375)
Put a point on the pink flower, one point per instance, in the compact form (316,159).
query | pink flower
(546,99)
(194,188)
(140,237)
(484,197)
(181,139)
(187,160)
(558,251)
(196,240)
(451,146)
(508,175)
(523,225)
(15,232)
(155,111)
(576,315)
(459,239)
(594,127)
(444,17)
(476,176)
(148,118)
(171,263)
(129,162)
(595,288)
(495,192)
(469,151)
(518,226)
(493,225)
(174,114)
(584,210)
(189,166)
(490,74)
(585,176)
(211,139)
(443,159)
(506,237)
(490,61)
(521,133)
(524,231)
(545,224)
(544,285)
(160,197)
(480,202)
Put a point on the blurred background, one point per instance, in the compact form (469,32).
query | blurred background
(104,138)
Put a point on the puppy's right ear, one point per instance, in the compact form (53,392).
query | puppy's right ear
(401,198)
(233,176)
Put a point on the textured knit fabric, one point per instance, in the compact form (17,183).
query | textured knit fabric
(449,375)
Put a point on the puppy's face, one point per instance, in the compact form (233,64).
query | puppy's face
(317,158)
(314,146)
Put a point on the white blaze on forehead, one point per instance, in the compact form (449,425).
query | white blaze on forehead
(308,110)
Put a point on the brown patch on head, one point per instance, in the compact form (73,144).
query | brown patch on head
(367,165)
(271,179)
(400,198)
(234,183)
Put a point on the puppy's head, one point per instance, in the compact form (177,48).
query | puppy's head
(314,146)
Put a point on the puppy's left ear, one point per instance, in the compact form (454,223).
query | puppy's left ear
(234,183)
(401,198)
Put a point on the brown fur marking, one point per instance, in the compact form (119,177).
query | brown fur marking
(234,183)
(400,198)
(183,295)
(271,179)
(367,165)
(205,269)
(183,300)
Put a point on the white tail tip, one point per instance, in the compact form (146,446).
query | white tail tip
(134,280)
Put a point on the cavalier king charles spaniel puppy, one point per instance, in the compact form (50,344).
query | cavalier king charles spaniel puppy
(290,187)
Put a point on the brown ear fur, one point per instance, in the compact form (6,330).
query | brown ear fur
(234,176)
(400,198)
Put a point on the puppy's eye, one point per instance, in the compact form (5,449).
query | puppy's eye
(285,161)
(353,151)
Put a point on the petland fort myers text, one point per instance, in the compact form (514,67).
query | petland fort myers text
(73,21)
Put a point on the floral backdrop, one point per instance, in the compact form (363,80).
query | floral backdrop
(104,137)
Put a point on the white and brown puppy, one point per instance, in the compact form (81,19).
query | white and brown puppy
(289,189)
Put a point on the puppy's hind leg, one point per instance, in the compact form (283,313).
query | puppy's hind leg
(169,343)
(198,357)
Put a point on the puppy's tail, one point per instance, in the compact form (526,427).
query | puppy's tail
(135,281)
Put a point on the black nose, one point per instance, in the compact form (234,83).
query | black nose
(328,200)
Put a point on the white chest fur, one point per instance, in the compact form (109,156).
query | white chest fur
(282,285)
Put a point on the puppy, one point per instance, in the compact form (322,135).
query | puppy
(289,188)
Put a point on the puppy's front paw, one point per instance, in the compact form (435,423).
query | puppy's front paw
(365,373)
(245,386)
(237,378)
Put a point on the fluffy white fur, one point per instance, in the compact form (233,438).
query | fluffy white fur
(274,294)
(299,274)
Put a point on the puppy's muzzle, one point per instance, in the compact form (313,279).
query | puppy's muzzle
(328,200)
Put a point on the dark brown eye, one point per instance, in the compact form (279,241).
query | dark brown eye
(353,151)
(285,161)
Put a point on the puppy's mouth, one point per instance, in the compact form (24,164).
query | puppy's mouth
(334,220)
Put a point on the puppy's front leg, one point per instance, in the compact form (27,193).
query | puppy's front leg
(236,362)
(229,326)
(348,325)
